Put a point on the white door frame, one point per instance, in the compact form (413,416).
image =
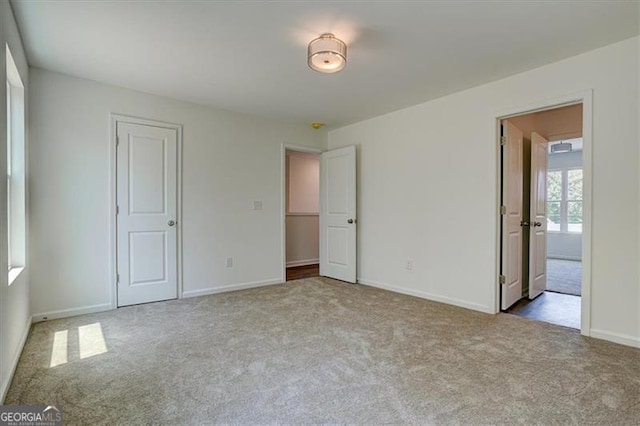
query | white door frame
(586,99)
(283,199)
(114,119)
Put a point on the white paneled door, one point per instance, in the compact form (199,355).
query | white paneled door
(538,223)
(338,214)
(512,176)
(146,213)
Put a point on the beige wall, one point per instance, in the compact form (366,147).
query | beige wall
(303,182)
(303,240)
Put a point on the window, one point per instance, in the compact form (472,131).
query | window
(574,200)
(564,200)
(16,210)
(9,170)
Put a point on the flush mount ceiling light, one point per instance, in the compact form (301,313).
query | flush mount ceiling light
(561,147)
(327,54)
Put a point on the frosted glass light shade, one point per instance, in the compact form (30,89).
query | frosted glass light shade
(561,147)
(327,54)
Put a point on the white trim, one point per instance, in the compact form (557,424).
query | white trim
(584,97)
(638,235)
(14,273)
(429,296)
(14,364)
(232,287)
(13,75)
(72,312)
(568,99)
(622,339)
(283,199)
(113,120)
(304,262)
(574,259)
(587,210)
(565,233)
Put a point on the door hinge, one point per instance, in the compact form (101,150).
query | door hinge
(117,140)
(503,209)
(503,279)
(117,278)
(503,140)
(117,209)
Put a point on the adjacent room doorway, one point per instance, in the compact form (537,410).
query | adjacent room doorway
(335,248)
(302,214)
(542,214)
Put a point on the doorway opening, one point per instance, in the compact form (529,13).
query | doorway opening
(329,208)
(542,195)
(302,214)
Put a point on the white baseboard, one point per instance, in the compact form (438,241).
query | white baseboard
(16,357)
(64,313)
(304,262)
(428,296)
(622,339)
(232,287)
(575,259)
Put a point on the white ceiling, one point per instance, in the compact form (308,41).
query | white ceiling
(251,56)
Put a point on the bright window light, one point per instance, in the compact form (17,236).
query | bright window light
(564,200)
(59,348)
(16,183)
(91,340)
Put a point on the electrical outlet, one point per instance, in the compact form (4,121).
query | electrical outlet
(228,262)
(409,265)
(257,205)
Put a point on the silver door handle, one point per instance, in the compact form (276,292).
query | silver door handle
(171,223)
(525,224)
(537,223)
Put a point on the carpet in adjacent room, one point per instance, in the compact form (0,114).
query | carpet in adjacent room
(564,276)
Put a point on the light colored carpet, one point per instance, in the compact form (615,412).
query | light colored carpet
(564,276)
(322,351)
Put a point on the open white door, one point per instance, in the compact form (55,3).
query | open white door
(338,214)
(538,240)
(512,175)
(147,207)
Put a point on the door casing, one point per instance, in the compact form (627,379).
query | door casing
(113,264)
(586,99)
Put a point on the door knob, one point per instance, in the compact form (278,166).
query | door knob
(349,220)
(171,223)
(525,224)
(537,223)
